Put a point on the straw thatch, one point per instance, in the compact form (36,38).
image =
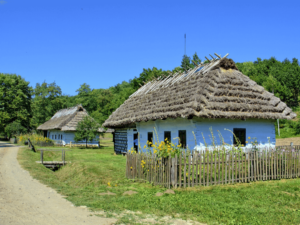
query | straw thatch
(213,90)
(66,119)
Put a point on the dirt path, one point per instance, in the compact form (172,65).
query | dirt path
(24,200)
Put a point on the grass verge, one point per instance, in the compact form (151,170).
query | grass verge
(91,170)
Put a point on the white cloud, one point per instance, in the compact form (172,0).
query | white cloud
(2,2)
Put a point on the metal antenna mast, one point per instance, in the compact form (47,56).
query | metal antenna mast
(184,44)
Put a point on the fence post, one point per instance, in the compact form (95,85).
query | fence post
(126,172)
(42,160)
(63,155)
(173,172)
(176,172)
(169,171)
(193,169)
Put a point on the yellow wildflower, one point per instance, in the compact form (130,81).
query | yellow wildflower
(246,141)
(249,138)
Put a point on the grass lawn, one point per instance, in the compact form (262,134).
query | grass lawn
(272,202)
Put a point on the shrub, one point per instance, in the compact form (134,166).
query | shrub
(297,127)
(36,139)
(13,129)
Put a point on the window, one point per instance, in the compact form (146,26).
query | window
(150,137)
(52,136)
(167,136)
(61,136)
(182,138)
(55,136)
(240,133)
(136,141)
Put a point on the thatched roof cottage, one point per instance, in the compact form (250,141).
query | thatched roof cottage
(215,94)
(61,127)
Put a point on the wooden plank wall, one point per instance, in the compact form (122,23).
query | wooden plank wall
(120,144)
(213,168)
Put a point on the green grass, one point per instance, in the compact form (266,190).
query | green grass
(286,133)
(272,202)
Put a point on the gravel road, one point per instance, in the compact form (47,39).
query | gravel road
(24,200)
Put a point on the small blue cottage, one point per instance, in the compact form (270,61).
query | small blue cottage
(61,127)
(210,103)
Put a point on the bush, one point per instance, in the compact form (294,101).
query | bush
(297,127)
(15,128)
(36,139)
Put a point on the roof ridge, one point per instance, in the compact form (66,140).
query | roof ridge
(202,68)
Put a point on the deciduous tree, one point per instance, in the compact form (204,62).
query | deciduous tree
(15,128)
(87,130)
(15,101)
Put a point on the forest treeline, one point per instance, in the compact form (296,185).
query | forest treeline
(28,107)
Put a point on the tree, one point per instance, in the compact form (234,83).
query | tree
(186,63)
(87,129)
(270,84)
(15,128)
(86,97)
(147,75)
(196,59)
(47,101)
(15,101)
(84,90)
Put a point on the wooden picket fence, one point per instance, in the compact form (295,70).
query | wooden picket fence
(213,168)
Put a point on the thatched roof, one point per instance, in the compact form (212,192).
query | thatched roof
(66,119)
(213,90)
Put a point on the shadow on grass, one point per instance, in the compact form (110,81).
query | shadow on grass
(7,145)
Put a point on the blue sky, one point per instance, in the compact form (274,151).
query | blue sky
(102,43)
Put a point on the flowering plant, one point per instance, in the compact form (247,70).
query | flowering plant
(164,148)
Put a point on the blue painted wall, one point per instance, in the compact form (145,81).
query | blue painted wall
(260,129)
(67,137)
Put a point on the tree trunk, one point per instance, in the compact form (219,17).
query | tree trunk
(85,143)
